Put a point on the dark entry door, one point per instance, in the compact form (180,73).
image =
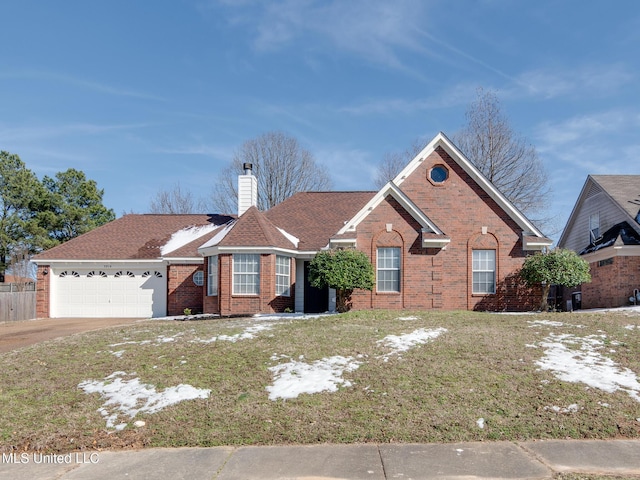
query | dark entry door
(316,300)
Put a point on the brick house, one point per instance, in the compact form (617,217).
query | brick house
(439,235)
(135,266)
(604,228)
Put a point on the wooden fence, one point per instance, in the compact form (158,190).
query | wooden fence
(17,302)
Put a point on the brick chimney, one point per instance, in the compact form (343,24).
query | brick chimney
(247,189)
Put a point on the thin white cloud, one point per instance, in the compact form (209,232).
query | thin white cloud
(597,143)
(455,96)
(375,30)
(601,80)
(15,134)
(360,162)
(78,82)
(197,149)
(585,129)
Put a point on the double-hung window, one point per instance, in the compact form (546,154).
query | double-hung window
(283,276)
(246,274)
(484,271)
(212,275)
(388,269)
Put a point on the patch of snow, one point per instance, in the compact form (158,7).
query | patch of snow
(158,340)
(407,318)
(631,310)
(186,235)
(402,343)
(291,238)
(130,397)
(583,363)
(296,377)
(288,316)
(632,327)
(480,423)
(573,408)
(546,323)
(130,342)
(248,333)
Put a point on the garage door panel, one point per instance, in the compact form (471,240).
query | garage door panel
(109,293)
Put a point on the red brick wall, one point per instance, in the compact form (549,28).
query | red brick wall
(442,278)
(181,291)
(611,285)
(43,292)
(226,303)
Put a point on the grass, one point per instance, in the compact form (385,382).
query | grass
(484,366)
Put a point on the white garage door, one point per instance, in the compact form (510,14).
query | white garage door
(139,293)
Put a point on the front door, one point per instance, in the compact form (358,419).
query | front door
(316,300)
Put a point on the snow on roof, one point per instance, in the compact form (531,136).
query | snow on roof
(217,238)
(185,236)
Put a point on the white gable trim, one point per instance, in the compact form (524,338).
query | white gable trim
(216,250)
(393,190)
(441,140)
(341,242)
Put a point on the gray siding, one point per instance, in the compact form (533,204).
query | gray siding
(577,237)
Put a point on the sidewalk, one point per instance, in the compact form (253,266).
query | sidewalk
(496,460)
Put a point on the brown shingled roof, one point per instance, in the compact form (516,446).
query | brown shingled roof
(314,217)
(254,229)
(624,189)
(134,236)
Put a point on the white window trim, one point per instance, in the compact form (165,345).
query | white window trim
(212,276)
(474,271)
(387,269)
(238,259)
(283,287)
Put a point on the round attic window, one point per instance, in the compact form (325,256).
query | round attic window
(438,174)
(198,278)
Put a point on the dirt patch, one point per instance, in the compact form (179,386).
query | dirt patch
(14,335)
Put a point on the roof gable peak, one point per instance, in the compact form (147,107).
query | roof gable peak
(391,189)
(442,141)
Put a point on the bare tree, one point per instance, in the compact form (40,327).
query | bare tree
(506,159)
(173,201)
(393,163)
(21,267)
(281,166)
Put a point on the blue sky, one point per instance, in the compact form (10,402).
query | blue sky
(141,95)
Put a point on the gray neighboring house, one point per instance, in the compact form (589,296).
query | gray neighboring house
(604,228)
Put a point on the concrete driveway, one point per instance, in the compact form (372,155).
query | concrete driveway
(20,334)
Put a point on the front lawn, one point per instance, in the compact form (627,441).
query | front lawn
(374,376)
